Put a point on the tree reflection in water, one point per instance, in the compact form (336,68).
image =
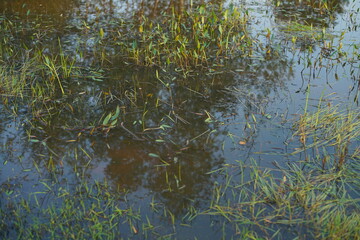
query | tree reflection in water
(191,149)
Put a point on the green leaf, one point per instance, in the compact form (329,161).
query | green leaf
(113,123)
(96,79)
(9,192)
(101,33)
(163,126)
(106,120)
(154,155)
(47,60)
(208,120)
(116,113)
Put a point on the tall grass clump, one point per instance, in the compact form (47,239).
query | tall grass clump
(35,75)
(331,132)
(287,203)
(26,71)
(197,37)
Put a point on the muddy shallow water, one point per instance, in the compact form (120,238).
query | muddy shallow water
(173,136)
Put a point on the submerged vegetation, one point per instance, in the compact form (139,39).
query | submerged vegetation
(149,126)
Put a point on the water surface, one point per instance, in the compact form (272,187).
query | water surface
(194,127)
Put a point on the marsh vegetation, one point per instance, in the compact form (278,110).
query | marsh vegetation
(179,119)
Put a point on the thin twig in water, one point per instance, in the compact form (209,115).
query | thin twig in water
(131,133)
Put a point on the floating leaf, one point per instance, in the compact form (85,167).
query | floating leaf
(96,79)
(106,120)
(101,33)
(134,230)
(154,155)
(268,116)
(9,192)
(208,120)
(254,118)
(117,112)
(113,123)
(163,126)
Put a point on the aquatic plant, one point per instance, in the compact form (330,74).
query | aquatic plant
(197,37)
(293,202)
(71,96)
(331,132)
(90,211)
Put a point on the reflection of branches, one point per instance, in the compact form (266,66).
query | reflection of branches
(183,167)
(176,171)
(53,8)
(179,173)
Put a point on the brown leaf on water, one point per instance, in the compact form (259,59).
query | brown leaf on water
(267,220)
(134,230)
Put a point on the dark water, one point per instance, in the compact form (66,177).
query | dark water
(193,126)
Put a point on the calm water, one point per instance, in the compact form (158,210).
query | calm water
(202,127)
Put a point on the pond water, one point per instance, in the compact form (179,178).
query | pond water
(174,133)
